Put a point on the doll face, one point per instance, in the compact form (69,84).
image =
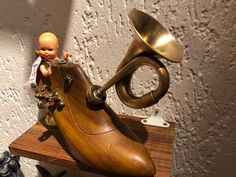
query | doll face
(48,45)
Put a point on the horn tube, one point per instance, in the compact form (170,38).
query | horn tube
(151,41)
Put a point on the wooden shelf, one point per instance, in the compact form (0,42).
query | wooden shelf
(45,144)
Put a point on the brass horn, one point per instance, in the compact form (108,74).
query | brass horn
(150,42)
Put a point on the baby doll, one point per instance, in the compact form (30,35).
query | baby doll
(48,45)
(47,55)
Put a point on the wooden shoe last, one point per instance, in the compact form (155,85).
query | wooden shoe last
(95,135)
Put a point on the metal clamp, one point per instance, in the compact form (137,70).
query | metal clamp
(155,120)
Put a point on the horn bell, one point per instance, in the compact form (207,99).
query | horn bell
(156,37)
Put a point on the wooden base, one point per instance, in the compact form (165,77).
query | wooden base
(45,144)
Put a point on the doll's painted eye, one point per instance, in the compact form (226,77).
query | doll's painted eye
(50,50)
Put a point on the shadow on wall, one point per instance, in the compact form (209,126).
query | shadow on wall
(29,18)
(32,17)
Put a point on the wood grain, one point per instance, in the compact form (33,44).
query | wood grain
(46,144)
(93,134)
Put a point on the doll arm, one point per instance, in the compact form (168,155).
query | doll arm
(65,55)
(45,70)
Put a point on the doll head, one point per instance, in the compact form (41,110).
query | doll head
(48,45)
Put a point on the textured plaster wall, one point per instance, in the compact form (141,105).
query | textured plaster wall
(202,95)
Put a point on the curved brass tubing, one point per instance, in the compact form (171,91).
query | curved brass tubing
(124,90)
(151,41)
